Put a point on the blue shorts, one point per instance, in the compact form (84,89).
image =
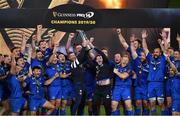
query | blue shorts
(176,105)
(141,93)
(119,93)
(89,91)
(168,87)
(36,102)
(4,92)
(54,92)
(66,92)
(156,89)
(16,104)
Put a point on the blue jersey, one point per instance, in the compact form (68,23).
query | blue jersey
(177,64)
(157,68)
(14,86)
(176,87)
(35,85)
(2,73)
(24,71)
(123,82)
(142,71)
(138,51)
(51,71)
(36,62)
(65,68)
(47,53)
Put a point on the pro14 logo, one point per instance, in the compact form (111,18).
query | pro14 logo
(86,15)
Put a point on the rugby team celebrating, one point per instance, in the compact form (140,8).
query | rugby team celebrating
(38,79)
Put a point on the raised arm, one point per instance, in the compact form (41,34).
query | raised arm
(33,52)
(144,43)
(13,65)
(23,44)
(122,39)
(172,65)
(68,44)
(39,33)
(51,38)
(178,40)
(165,40)
(105,59)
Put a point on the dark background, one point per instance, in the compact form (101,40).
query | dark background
(107,37)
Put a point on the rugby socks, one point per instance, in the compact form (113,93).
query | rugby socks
(115,113)
(138,111)
(169,111)
(63,112)
(153,112)
(146,111)
(55,112)
(130,112)
(90,112)
(164,112)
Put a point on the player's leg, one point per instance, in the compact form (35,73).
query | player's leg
(114,106)
(160,98)
(169,104)
(5,107)
(146,107)
(48,105)
(126,96)
(128,105)
(82,104)
(138,100)
(175,107)
(16,105)
(145,101)
(138,107)
(96,102)
(152,98)
(53,92)
(107,100)
(116,97)
(63,107)
(77,100)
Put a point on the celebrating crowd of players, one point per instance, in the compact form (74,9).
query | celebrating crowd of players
(47,80)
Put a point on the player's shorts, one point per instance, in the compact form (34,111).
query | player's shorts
(141,93)
(90,91)
(176,105)
(16,104)
(119,93)
(54,92)
(35,102)
(168,87)
(66,92)
(4,92)
(156,89)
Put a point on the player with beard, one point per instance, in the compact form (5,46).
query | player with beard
(122,88)
(157,64)
(17,102)
(141,88)
(175,87)
(5,62)
(35,84)
(66,85)
(137,45)
(54,84)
